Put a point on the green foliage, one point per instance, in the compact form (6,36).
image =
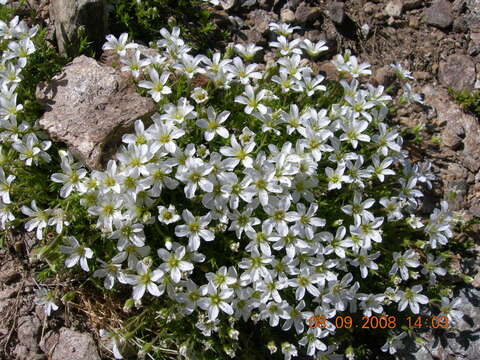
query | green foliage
(81,46)
(469,101)
(6,13)
(143,21)
(42,65)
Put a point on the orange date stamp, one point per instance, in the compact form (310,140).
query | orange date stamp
(379,322)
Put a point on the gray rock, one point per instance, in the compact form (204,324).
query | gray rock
(73,345)
(454,178)
(336,12)
(460,341)
(292,4)
(461,132)
(28,332)
(370,8)
(394,8)
(474,45)
(306,14)
(412,4)
(384,76)
(69,15)
(89,107)
(227,4)
(287,16)
(259,20)
(252,36)
(457,72)
(439,14)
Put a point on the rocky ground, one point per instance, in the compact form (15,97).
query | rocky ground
(25,332)
(439,41)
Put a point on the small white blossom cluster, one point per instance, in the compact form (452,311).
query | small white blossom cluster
(16,38)
(264,195)
(261,174)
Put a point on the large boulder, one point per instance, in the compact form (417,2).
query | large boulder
(69,15)
(89,106)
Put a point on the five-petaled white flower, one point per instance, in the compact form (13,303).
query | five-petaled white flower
(77,253)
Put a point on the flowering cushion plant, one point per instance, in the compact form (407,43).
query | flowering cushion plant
(269,195)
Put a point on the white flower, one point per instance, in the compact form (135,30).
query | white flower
(5,215)
(270,287)
(71,178)
(313,49)
(190,65)
(194,175)
(255,266)
(145,279)
(402,262)
(401,72)
(199,95)
(195,228)
(190,297)
(5,186)
(21,50)
(288,350)
(116,342)
(394,343)
(128,233)
(242,221)
(178,113)
(279,216)
(58,219)
(450,309)
(163,136)
(305,281)
(238,153)
(335,177)
(133,63)
(168,215)
(39,218)
(312,340)
(337,243)
(286,47)
(212,125)
(156,84)
(242,72)
(45,298)
(371,303)
(412,297)
(120,46)
(224,278)
(247,51)
(77,253)
(409,96)
(365,262)
(274,311)
(31,150)
(359,208)
(282,28)
(174,263)
(215,300)
(112,271)
(432,268)
(252,100)
(353,130)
